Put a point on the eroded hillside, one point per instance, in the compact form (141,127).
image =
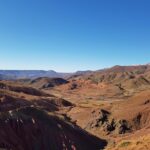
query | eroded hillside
(78,112)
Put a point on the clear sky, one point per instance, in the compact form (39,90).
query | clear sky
(70,35)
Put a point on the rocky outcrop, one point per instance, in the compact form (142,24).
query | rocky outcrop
(108,124)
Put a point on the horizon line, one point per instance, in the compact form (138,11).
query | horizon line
(73,71)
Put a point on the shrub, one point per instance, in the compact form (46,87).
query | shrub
(125,144)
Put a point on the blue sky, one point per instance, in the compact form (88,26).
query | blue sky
(70,35)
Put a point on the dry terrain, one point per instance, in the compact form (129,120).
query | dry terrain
(106,109)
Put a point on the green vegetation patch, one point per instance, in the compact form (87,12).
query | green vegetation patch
(125,144)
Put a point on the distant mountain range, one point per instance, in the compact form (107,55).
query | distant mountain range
(21,74)
(32,74)
(16,74)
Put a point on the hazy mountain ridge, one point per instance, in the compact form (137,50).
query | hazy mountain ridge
(16,74)
(32,74)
